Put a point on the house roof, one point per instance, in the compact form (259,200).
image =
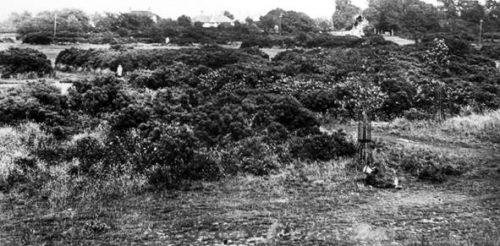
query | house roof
(212,19)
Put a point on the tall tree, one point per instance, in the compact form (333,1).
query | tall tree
(492,19)
(184,21)
(290,21)
(412,17)
(419,18)
(229,15)
(450,10)
(344,15)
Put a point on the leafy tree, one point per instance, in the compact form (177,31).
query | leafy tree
(184,21)
(492,20)
(384,14)
(409,16)
(68,20)
(345,13)
(17,19)
(419,18)
(106,22)
(323,24)
(471,11)
(450,8)
(249,21)
(229,15)
(291,21)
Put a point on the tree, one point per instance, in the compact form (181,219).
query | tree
(344,15)
(419,18)
(412,17)
(228,15)
(73,20)
(471,11)
(385,15)
(249,21)
(68,20)
(291,21)
(323,24)
(492,18)
(449,8)
(17,19)
(184,21)
(106,23)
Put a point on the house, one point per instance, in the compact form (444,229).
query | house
(154,17)
(213,20)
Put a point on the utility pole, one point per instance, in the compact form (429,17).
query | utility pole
(55,25)
(280,24)
(481,33)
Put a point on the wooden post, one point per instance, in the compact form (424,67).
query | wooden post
(365,139)
(439,103)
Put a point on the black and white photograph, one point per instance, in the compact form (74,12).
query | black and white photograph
(265,122)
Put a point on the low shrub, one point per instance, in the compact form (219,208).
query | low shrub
(36,101)
(322,147)
(102,95)
(289,112)
(415,114)
(254,156)
(177,74)
(425,164)
(330,41)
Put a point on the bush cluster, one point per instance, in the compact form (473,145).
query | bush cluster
(20,61)
(312,40)
(210,56)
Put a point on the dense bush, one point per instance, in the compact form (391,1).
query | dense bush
(177,74)
(210,56)
(42,38)
(102,95)
(19,61)
(492,51)
(36,101)
(426,165)
(459,44)
(329,41)
(322,147)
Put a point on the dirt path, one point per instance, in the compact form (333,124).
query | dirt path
(399,41)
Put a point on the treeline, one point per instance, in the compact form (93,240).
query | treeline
(415,18)
(74,25)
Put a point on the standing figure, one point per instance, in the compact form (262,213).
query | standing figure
(119,71)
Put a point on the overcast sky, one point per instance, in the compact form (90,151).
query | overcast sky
(174,8)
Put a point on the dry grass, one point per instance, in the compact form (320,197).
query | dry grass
(474,129)
(15,143)
(482,126)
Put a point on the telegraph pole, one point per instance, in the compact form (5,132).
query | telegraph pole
(481,33)
(55,25)
(280,24)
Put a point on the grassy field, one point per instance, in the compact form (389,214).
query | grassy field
(303,204)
